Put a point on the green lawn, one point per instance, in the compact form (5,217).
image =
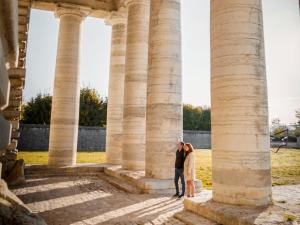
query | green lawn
(285,164)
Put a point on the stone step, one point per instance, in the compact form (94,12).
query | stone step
(190,218)
(146,185)
(120,184)
(204,206)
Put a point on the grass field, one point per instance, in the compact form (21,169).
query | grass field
(285,164)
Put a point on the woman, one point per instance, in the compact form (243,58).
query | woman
(189,169)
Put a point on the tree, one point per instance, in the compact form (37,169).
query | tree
(93,108)
(37,110)
(278,129)
(196,118)
(297,130)
(298,115)
(92,111)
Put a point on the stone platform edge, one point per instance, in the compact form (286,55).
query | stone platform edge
(227,214)
(136,179)
(146,185)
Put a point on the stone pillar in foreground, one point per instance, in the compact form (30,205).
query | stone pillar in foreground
(240,132)
(135,89)
(114,128)
(65,102)
(164,100)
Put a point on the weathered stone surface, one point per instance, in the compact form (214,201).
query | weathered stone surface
(16,83)
(286,202)
(17,73)
(11,156)
(146,185)
(13,211)
(12,169)
(5,134)
(114,126)
(135,89)
(189,218)
(4,81)
(12,146)
(16,175)
(92,200)
(9,31)
(240,131)
(12,114)
(100,9)
(164,97)
(65,101)
(15,93)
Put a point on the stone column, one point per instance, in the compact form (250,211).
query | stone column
(240,131)
(135,90)
(114,128)
(65,102)
(164,101)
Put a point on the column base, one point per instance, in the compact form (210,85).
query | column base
(220,213)
(146,185)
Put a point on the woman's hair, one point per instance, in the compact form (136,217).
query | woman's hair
(191,148)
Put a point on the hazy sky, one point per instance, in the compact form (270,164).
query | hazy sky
(282,40)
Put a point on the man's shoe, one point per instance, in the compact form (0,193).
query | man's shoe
(180,196)
(176,195)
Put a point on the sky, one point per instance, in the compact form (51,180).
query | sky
(282,47)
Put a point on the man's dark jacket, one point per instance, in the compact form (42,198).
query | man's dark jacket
(179,163)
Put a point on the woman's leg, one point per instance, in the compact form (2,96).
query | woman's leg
(188,188)
(192,188)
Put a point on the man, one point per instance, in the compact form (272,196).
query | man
(179,169)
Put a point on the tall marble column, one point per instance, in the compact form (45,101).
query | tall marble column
(114,128)
(65,101)
(164,100)
(135,90)
(240,131)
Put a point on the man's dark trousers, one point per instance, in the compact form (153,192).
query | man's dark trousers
(179,174)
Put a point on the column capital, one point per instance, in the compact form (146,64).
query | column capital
(67,8)
(117,17)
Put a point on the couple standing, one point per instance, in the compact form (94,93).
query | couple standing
(185,169)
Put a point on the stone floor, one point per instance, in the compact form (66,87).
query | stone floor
(91,200)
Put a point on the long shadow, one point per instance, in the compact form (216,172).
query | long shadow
(156,206)
(41,181)
(133,217)
(86,210)
(59,193)
(33,182)
(112,201)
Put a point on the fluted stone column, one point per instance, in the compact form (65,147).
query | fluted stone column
(65,102)
(240,134)
(135,90)
(164,101)
(114,128)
